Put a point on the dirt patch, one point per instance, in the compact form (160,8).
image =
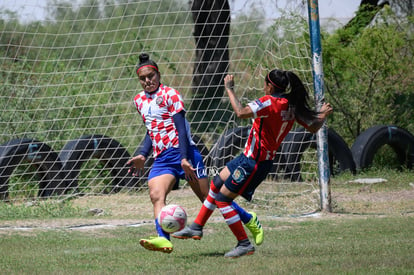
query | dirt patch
(122,210)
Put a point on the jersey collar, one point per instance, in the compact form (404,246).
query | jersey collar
(151,95)
(279,95)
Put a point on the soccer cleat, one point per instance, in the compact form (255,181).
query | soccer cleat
(188,233)
(256,228)
(239,251)
(157,244)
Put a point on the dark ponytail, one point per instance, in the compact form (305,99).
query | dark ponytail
(290,85)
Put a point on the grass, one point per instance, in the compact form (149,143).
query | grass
(369,232)
(40,209)
(373,245)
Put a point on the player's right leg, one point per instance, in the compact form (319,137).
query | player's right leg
(249,219)
(159,186)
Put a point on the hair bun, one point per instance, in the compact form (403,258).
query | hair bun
(143,58)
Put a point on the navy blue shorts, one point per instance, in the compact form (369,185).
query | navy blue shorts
(246,174)
(169,162)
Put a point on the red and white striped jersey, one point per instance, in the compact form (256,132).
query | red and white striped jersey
(157,111)
(273,119)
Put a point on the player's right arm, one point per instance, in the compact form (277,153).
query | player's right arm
(241,112)
(137,162)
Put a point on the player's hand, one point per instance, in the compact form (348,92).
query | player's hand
(326,109)
(229,82)
(189,171)
(137,165)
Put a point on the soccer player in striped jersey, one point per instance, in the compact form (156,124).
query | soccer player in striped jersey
(285,101)
(175,153)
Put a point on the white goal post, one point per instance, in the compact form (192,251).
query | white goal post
(68,124)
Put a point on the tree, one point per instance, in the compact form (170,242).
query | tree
(369,78)
(211,34)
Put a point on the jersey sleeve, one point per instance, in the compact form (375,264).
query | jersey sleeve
(175,102)
(137,102)
(259,106)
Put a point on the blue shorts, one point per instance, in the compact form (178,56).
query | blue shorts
(169,162)
(246,174)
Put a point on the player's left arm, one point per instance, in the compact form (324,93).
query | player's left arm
(184,144)
(318,122)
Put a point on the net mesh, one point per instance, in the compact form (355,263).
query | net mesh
(68,124)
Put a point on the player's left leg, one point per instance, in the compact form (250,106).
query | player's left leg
(201,187)
(249,219)
(232,218)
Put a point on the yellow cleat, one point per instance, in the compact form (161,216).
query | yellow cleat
(256,229)
(157,244)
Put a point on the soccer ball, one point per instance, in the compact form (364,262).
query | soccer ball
(172,218)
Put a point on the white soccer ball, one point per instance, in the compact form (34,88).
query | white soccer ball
(172,218)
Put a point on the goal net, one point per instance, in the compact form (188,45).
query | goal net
(68,124)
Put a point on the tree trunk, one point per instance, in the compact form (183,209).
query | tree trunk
(211,34)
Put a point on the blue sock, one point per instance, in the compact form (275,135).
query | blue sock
(161,232)
(245,217)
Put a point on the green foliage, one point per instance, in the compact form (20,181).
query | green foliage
(370,81)
(72,76)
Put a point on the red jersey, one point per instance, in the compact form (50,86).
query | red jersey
(273,119)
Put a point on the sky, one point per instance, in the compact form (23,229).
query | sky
(339,9)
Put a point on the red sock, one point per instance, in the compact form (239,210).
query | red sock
(232,219)
(208,207)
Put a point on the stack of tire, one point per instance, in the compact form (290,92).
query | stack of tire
(289,154)
(59,173)
(341,157)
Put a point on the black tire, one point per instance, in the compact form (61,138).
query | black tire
(371,140)
(40,156)
(228,146)
(105,149)
(340,156)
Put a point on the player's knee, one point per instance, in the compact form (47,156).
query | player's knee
(157,195)
(218,182)
(222,198)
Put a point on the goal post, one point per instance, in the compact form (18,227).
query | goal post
(68,124)
(322,135)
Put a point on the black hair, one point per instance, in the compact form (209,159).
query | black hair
(144,60)
(290,85)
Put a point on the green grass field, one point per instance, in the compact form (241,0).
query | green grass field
(331,245)
(371,231)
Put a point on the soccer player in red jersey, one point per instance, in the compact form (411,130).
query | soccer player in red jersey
(175,153)
(285,101)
